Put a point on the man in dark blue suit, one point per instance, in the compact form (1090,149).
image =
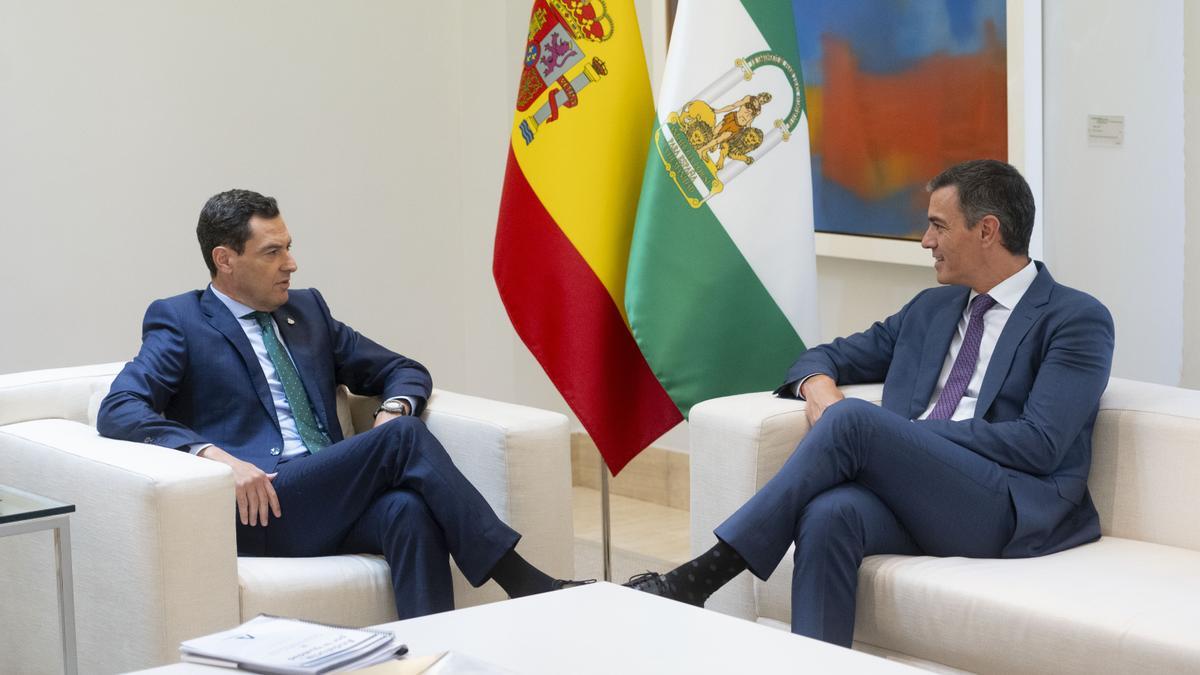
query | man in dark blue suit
(982,445)
(245,372)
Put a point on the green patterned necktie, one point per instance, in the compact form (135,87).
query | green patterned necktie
(306,422)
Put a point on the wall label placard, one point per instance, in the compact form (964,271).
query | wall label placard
(1106,131)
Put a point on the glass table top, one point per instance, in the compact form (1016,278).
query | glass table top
(17,505)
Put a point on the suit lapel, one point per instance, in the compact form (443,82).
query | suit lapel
(1024,315)
(302,355)
(937,343)
(220,318)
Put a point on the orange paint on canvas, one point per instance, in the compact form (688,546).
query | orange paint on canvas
(891,131)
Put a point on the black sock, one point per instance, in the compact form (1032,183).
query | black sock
(701,577)
(518,578)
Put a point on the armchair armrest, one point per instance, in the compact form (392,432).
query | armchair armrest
(737,444)
(520,459)
(154,554)
(66,393)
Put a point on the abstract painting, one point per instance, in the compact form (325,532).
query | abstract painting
(898,90)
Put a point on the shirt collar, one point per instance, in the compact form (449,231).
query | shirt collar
(1009,292)
(238,309)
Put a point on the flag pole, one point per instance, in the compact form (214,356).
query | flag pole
(605,522)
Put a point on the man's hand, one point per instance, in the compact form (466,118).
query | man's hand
(820,392)
(255,494)
(384,416)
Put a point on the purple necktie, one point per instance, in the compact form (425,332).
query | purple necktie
(964,363)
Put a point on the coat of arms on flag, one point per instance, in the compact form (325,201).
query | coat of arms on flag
(714,122)
(558,31)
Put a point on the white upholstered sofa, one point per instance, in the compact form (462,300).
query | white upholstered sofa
(1129,602)
(153,533)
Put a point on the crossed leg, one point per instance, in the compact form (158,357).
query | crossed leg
(864,481)
(392,490)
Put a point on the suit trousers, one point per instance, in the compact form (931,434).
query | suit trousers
(391,490)
(866,481)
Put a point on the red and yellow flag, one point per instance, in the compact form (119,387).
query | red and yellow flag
(580,134)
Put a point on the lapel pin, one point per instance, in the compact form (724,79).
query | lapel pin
(291,321)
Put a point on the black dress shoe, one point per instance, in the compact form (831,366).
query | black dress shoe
(560,584)
(658,584)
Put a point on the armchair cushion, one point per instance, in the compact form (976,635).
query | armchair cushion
(344,590)
(1116,605)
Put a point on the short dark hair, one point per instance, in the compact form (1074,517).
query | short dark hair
(225,221)
(991,187)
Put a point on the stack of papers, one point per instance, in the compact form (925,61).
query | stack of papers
(269,644)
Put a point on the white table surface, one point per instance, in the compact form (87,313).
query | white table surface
(605,628)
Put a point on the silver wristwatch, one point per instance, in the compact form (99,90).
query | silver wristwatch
(394,406)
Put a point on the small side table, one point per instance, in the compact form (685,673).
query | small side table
(22,512)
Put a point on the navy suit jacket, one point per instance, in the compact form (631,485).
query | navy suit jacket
(1037,404)
(197,379)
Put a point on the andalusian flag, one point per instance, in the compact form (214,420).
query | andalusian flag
(579,138)
(721,292)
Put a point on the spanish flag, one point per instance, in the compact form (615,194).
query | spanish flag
(580,134)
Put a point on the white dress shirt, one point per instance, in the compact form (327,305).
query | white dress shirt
(1007,294)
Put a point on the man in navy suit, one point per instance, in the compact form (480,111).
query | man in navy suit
(245,372)
(982,445)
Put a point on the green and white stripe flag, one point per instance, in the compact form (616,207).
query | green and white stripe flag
(721,291)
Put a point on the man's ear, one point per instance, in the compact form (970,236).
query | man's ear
(221,258)
(989,229)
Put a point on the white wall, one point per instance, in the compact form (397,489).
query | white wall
(1191,149)
(1114,217)
(120,119)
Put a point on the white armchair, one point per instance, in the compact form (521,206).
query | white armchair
(1129,602)
(153,534)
